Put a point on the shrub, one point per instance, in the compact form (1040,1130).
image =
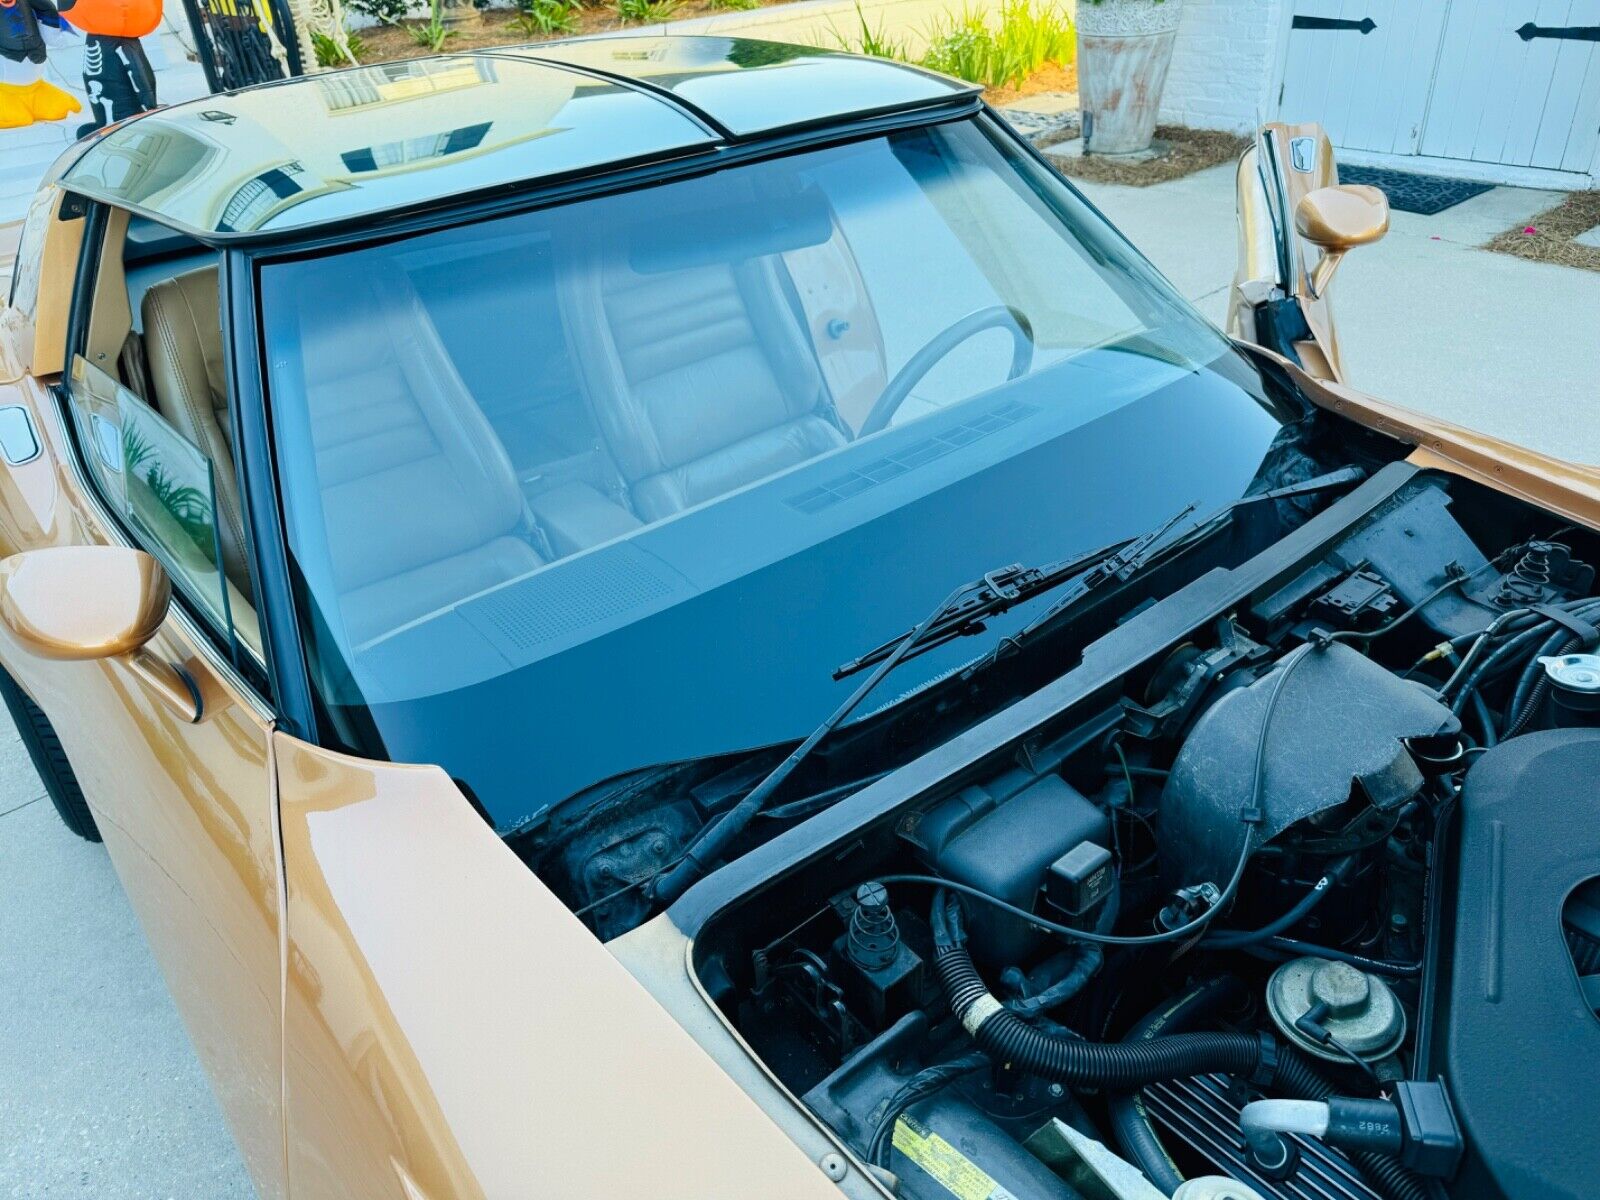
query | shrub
(328,52)
(537,18)
(647,12)
(385,12)
(1030,34)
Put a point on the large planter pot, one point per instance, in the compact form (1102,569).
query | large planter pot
(1124,49)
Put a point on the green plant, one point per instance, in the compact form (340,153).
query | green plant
(433,32)
(385,12)
(329,54)
(1029,34)
(537,18)
(872,40)
(738,5)
(646,11)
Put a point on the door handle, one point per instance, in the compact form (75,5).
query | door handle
(1364,26)
(1569,33)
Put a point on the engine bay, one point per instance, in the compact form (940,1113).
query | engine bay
(1295,894)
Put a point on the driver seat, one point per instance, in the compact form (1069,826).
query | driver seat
(701,379)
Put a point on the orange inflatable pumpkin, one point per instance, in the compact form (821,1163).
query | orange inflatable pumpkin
(114,18)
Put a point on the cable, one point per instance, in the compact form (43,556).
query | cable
(715,838)
(1234,939)
(1377,966)
(1285,670)
(923,1083)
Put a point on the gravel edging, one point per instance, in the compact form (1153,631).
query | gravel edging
(1179,151)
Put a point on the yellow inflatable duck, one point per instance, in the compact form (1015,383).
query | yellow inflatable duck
(25,103)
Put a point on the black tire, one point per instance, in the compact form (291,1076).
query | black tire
(50,760)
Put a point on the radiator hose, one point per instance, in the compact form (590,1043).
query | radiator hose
(1115,1066)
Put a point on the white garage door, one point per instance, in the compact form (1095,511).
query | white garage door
(1491,81)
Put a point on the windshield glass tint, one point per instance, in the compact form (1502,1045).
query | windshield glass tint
(557,469)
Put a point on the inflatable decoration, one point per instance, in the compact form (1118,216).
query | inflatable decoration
(116,74)
(25,95)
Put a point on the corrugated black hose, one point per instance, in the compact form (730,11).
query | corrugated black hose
(1129,1120)
(1116,1066)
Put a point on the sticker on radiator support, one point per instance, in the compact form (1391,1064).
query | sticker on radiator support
(958,1174)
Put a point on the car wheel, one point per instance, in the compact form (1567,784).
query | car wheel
(50,760)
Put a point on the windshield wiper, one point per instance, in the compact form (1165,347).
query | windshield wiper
(1001,590)
(962,612)
(715,838)
(1134,556)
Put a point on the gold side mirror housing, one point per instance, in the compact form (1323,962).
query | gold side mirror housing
(75,603)
(1336,219)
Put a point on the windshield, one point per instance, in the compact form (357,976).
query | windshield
(618,483)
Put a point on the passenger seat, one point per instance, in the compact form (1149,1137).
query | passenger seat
(183,346)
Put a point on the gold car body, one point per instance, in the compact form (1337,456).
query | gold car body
(383,995)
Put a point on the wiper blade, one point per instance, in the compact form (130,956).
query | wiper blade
(1134,556)
(997,592)
(1010,586)
(714,839)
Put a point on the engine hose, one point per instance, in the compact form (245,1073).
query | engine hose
(1129,1120)
(1118,1066)
(1298,1079)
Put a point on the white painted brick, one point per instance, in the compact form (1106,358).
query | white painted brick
(1222,63)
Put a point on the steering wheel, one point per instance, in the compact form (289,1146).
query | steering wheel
(996,316)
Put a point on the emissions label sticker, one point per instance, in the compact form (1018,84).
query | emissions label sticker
(958,1174)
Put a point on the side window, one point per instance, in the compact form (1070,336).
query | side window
(163,487)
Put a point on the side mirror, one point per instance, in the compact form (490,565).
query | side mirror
(75,603)
(1337,219)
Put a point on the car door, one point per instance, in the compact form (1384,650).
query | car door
(180,785)
(1271,302)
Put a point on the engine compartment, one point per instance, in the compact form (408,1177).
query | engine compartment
(1218,922)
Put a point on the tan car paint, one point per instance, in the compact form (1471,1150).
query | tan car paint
(433,1021)
(452,1025)
(186,810)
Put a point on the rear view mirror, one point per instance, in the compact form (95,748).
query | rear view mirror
(77,603)
(1337,219)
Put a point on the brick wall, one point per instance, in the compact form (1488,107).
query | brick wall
(1223,63)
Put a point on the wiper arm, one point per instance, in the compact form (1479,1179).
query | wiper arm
(715,838)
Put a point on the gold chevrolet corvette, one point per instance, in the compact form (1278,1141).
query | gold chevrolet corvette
(461,518)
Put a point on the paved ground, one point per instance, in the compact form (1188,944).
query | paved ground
(1426,318)
(100,1094)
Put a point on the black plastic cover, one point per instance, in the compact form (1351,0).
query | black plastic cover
(1505,1021)
(1339,726)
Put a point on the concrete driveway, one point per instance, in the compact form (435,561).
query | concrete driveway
(1426,318)
(100,1094)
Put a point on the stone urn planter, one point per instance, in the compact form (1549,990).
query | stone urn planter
(1124,49)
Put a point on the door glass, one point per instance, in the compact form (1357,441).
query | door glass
(161,484)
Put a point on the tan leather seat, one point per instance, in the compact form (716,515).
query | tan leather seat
(701,379)
(183,345)
(420,503)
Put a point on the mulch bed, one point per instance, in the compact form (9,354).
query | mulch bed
(1181,152)
(1552,231)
